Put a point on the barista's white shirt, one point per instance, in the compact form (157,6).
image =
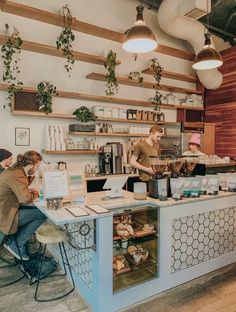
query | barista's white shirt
(189,153)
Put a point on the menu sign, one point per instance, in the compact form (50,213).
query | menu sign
(56,184)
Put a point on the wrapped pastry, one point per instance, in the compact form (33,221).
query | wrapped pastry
(148,227)
(118,265)
(132,250)
(120,258)
(144,254)
(123,233)
(137,257)
(130,229)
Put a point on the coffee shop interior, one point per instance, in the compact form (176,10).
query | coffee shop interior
(118,155)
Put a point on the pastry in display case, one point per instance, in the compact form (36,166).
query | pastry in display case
(135,246)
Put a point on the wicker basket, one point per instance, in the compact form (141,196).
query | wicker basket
(26,101)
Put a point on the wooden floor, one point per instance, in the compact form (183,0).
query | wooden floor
(214,292)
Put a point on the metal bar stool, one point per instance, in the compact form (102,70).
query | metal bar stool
(51,234)
(8,264)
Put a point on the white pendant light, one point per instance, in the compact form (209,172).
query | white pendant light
(207,58)
(139,38)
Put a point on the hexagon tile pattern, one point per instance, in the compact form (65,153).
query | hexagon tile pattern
(199,238)
(81,260)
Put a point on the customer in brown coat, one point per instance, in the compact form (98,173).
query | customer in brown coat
(16,215)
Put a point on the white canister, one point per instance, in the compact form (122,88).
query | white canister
(115,112)
(98,110)
(108,112)
(122,113)
(170,98)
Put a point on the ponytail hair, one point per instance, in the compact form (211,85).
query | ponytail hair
(28,158)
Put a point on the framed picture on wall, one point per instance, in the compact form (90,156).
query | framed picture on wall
(22,136)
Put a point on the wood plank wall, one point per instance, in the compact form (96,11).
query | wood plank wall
(221,106)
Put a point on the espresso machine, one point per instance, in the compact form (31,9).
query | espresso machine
(116,157)
(105,165)
(158,184)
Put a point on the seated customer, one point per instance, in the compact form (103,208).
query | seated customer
(5,159)
(194,148)
(15,216)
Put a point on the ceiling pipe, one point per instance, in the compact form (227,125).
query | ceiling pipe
(184,28)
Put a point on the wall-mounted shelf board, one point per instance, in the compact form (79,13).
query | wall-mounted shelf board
(172,75)
(67,116)
(104,99)
(145,84)
(90,29)
(72,152)
(50,50)
(117,134)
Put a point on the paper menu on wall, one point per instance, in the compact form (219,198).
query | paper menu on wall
(56,184)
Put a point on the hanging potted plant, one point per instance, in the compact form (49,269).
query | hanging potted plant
(155,66)
(84,115)
(11,56)
(46,91)
(110,65)
(64,41)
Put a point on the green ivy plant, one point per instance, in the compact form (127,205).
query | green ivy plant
(136,76)
(11,56)
(64,41)
(110,65)
(83,114)
(46,91)
(155,66)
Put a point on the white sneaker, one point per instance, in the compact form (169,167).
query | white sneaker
(18,254)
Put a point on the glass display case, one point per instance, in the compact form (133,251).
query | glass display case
(135,246)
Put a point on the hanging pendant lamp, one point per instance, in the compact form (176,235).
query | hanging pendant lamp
(139,38)
(207,58)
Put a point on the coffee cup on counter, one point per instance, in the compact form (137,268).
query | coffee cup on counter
(140,190)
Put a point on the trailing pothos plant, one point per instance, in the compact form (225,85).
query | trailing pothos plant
(110,65)
(155,66)
(46,91)
(64,41)
(11,56)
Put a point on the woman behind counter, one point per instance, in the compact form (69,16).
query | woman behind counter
(15,216)
(194,147)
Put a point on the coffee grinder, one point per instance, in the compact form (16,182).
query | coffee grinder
(174,167)
(188,166)
(158,184)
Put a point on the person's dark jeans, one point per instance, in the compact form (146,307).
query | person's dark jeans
(30,218)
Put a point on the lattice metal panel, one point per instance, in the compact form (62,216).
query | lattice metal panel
(81,260)
(201,237)
(26,101)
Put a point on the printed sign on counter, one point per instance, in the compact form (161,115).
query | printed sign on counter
(56,184)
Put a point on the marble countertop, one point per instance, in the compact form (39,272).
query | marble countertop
(115,205)
(103,177)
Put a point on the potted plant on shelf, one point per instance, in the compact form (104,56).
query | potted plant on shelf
(46,91)
(64,41)
(110,65)
(84,115)
(11,56)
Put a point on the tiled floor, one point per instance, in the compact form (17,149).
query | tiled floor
(214,292)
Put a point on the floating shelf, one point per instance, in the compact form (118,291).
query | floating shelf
(118,134)
(50,50)
(148,85)
(72,152)
(90,29)
(67,116)
(113,134)
(172,75)
(104,99)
